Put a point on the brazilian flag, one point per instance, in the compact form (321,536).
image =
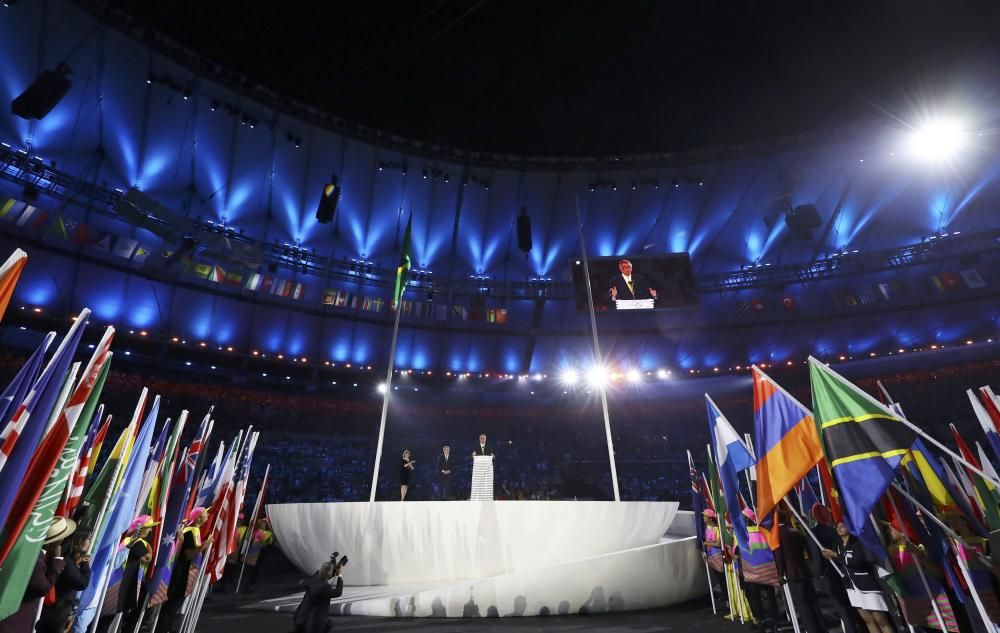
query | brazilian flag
(864,443)
(403,269)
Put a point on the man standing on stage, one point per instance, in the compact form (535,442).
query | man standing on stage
(444,472)
(482,472)
(482,449)
(628,286)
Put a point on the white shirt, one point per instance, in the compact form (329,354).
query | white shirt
(628,278)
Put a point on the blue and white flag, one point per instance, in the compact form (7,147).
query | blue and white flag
(731,456)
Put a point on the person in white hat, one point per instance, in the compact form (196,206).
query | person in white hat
(48,567)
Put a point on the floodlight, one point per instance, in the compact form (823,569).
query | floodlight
(662,374)
(381,387)
(633,375)
(569,377)
(597,376)
(938,140)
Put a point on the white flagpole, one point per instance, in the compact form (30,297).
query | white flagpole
(951,533)
(385,396)
(812,535)
(964,566)
(598,361)
(753,501)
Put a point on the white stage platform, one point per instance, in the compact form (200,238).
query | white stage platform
(507,558)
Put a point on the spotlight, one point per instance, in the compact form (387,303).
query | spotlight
(569,377)
(214,105)
(633,375)
(150,79)
(381,387)
(662,374)
(186,94)
(938,140)
(597,376)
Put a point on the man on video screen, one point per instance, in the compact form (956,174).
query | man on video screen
(626,285)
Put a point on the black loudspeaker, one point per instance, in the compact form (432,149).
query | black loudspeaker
(43,94)
(524,231)
(328,203)
(802,220)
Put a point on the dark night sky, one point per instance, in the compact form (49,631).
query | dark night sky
(567,77)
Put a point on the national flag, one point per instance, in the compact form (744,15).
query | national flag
(141,254)
(944,496)
(27,214)
(60,444)
(18,388)
(26,428)
(403,268)
(697,502)
(832,495)
(984,493)
(104,242)
(7,208)
(972,278)
(258,509)
(988,418)
(57,230)
(299,291)
(223,511)
(160,491)
(254,281)
(202,270)
(10,272)
(732,456)
(718,504)
(234,278)
(329,297)
(208,482)
(26,533)
(121,511)
(152,471)
(863,441)
(786,439)
(78,479)
(217,274)
(125,247)
(107,479)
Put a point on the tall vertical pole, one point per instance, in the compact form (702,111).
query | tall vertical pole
(385,397)
(598,361)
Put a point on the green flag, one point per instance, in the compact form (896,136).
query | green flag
(20,563)
(403,269)
(718,500)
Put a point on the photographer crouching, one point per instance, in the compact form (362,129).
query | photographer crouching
(313,613)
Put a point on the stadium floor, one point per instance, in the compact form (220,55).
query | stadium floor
(225,612)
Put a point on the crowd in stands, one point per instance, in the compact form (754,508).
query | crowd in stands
(321,446)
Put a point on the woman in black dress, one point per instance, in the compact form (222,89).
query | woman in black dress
(405,470)
(139,554)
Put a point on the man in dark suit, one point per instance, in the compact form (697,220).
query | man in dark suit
(445,468)
(483,448)
(626,285)
(790,559)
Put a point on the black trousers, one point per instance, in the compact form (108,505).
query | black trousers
(763,603)
(444,484)
(807,605)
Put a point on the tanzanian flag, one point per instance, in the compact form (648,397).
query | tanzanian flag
(864,443)
(403,270)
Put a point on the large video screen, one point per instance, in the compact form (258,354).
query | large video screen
(647,282)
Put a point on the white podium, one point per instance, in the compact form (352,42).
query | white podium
(482,478)
(634,304)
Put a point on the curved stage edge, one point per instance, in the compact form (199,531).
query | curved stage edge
(490,559)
